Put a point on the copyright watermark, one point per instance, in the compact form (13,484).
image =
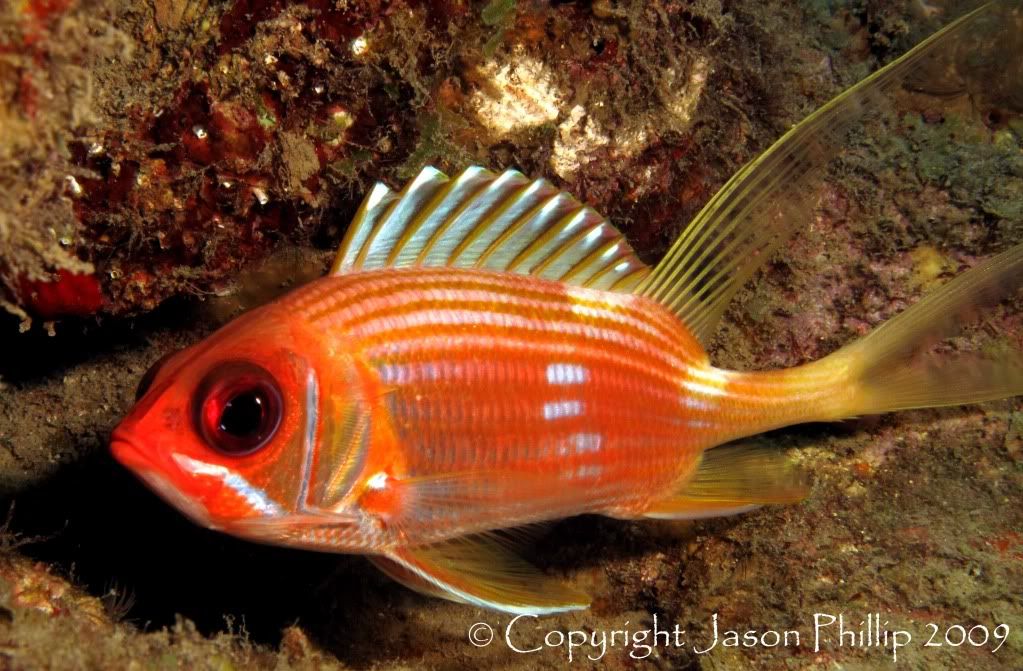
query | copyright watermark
(481,634)
(525,634)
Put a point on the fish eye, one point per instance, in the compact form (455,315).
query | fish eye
(147,380)
(238,408)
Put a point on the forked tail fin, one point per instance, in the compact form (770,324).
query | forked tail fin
(891,369)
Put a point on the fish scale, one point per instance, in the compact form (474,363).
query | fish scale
(487,353)
(454,420)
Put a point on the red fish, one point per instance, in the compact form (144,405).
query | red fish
(488,353)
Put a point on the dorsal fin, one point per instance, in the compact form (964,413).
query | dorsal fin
(483,220)
(764,203)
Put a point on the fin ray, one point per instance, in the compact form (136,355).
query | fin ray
(373,206)
(733,479)
(890,369)
(764,203)
(480,570)
(500,222)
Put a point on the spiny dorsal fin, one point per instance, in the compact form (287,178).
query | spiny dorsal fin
(765,202)
(482,220)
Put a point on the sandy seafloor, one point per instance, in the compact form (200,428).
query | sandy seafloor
(643,110)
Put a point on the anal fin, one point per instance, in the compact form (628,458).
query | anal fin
(482,571)
(734,479)
(399,573)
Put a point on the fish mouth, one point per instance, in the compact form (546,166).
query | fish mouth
(136,460)
(130,455)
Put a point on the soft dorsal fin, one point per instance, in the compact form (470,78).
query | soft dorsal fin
(480,219)
(764,203)
(507,222)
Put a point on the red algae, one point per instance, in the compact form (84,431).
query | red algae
(40,15)
(278,115)
(67,294)
(239,23)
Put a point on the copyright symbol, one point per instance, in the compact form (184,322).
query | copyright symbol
(481,634)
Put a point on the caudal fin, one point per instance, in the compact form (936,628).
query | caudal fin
(891,368)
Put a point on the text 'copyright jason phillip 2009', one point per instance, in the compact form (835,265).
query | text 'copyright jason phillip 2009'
(526,634)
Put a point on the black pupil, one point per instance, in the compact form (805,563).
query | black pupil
(243,415)
(238,408)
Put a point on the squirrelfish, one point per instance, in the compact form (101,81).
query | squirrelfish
(488,353)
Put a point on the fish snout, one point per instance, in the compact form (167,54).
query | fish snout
(127,452)
(158,469)
(137,456)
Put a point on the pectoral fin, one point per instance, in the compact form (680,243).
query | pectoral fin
(479,570)
(734,479)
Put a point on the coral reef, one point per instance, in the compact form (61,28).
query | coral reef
(187,138)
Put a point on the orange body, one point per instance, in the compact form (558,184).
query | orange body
(433,403)
(523,399)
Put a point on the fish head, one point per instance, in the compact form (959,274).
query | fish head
(223,430)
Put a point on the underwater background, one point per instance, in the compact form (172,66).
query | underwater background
(165,164)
